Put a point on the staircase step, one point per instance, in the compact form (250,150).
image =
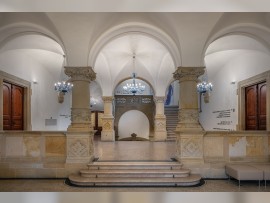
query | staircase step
(135,173)
(134,165)
(184,181)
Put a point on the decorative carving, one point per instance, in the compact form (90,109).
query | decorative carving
(160,124)
(80,115)
(80,73)
(106,125)
(107,99)
(146,100)
(120,101)
(188,116)
(191,147)
(159,99)
(78,149)
(188,73)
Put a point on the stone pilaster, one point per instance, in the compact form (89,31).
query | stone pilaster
(108,133)
(80,147)
(189,132)
(160,131)
(80,111)
(188,116)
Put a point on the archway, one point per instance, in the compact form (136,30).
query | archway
(126,102)
(231,61)
(35,62)
(133,121)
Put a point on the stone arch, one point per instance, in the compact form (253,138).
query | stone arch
(246,29)
(135,117)
(17,29)
(126,103)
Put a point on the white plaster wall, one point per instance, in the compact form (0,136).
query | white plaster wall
(224,95)
(133,121)
(44,103)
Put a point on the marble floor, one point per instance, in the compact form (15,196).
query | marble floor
(58,185)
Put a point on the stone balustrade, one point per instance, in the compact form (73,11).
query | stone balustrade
(34,154)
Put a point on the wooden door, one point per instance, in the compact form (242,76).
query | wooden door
(256,107)
(7,106)
(262,106)
(12,106)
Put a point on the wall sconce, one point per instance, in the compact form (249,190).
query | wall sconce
(204,88)
(62,88)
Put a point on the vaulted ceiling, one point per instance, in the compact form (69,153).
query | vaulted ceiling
(160,41)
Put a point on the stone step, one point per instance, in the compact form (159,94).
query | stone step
(183,181)
(146,173)
(134,165)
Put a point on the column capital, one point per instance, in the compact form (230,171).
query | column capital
(107,99)
(188,73)
(159,99)
(80,73)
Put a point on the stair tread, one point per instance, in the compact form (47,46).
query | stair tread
(191,178)
(131,163)
(136,171)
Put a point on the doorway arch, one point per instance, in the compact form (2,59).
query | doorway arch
(133,121)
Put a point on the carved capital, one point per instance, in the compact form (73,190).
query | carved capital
(107,99)
(159,99)
(188,73)
(80,73)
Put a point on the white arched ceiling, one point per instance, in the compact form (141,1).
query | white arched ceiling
(228,48)
(35,47)
(153,63)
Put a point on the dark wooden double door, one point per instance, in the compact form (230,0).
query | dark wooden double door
(256,107)
(12,106)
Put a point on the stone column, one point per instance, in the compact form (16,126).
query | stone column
(80,147)
(160,132)
(189,132)
(108,133)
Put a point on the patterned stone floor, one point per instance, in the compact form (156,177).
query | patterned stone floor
(58,185)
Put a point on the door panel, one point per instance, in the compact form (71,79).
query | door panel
(251,108)
(12,107)
(256,107)
(17,107)
(6,106)
(262,106)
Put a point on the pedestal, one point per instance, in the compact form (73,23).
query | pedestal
(107,133)
(80,147)
(160,128)
(189,147)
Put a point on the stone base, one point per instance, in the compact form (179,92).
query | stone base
(80,127)
(188,127)
(108,136)
(80,147)
(189,147)
(160,136)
